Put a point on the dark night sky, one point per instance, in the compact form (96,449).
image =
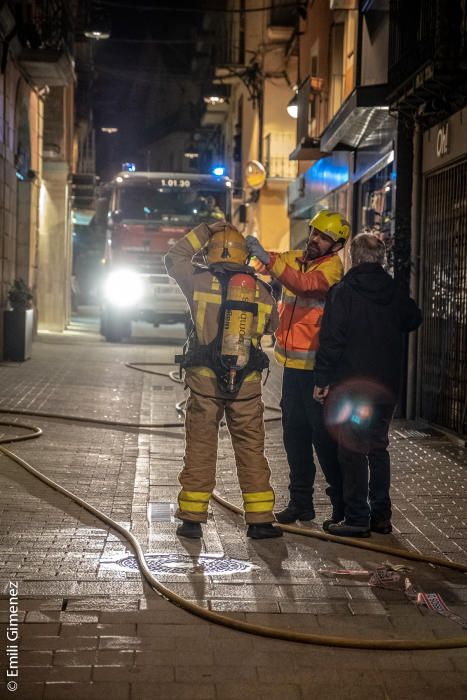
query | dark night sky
(125,67)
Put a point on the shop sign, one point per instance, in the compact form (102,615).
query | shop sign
(442,140)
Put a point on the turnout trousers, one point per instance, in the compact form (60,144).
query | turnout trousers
(244,419)
(303,428)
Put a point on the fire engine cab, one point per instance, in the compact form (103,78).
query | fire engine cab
(146,214)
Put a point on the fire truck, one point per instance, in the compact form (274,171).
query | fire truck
(147,213)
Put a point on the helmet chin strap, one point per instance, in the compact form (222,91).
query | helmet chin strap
(225,252)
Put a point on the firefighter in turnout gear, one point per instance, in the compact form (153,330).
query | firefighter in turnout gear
(231,310)
(306,277)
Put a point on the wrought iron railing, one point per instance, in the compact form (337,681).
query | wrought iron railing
(277,147)
(425,30)
(45,24)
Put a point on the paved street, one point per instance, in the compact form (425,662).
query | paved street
(90,629)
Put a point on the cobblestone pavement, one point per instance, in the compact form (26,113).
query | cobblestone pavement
(89,628)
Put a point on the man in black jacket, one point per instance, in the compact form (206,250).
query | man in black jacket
(360,357)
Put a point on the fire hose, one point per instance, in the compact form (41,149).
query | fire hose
(199,611)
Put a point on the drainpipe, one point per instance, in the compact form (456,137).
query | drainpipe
(260,120)
(415,218)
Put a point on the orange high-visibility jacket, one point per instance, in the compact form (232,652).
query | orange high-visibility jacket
(305,285)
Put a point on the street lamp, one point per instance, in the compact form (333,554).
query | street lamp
(97,27)
(292,107)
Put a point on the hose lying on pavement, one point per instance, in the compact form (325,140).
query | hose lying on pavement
(218,618)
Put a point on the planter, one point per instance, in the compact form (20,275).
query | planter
(17,334)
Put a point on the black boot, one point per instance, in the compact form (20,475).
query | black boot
(384,527)
(335,518)
(190,529)
(292,513)
(263,531)
(330,521)
(344,529)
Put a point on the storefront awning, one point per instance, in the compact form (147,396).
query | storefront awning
(363,121)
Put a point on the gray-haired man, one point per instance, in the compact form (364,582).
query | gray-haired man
(360,357)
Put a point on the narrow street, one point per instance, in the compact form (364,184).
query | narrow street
(91,629)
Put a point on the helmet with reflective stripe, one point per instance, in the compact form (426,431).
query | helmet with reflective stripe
(227,246)
(331,224)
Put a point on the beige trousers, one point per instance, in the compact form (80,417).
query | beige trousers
(245,423)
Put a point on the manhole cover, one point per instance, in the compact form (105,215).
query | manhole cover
(204,564)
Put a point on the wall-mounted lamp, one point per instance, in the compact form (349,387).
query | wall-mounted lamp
(292,107)
(97,26)
(109,129)
(217,94)
(214,100)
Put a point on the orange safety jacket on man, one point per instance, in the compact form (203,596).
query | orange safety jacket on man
(305,285)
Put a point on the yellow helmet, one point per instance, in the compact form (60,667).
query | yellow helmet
(227,246)
(331,224)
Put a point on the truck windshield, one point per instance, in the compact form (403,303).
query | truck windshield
(148,203)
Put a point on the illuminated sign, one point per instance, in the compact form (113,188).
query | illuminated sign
(442,140)
(326,175)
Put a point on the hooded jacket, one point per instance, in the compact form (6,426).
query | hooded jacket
(362,333)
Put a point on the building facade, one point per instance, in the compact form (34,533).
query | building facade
(36,135)
(256,59)
(428,91)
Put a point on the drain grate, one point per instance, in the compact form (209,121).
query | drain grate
(204,564)
(408,433)
(161,512)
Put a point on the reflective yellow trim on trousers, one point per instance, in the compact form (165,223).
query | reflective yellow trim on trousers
(258,502)
(194,240)
(194,501)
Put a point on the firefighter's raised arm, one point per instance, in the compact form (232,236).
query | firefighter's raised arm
(178,261)
(307,284)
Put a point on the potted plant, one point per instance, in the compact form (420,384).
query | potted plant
(18,323)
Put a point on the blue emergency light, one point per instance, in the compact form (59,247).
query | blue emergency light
(128,167)
(219,170)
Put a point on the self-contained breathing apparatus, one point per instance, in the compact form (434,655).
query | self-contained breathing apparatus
(231,355)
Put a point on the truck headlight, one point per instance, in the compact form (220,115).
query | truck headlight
(123,288)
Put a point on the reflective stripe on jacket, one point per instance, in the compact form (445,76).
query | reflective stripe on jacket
(305,286)
(204,296)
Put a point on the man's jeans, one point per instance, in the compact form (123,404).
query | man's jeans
(303,428)
(365,464)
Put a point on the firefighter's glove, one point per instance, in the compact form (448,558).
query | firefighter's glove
(256,249)
(218,226)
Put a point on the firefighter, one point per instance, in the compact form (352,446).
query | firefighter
(306,276)
(209,209)
(231,309)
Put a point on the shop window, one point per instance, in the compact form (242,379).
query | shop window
(377,202)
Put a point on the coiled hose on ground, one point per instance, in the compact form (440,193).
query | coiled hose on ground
(209,615)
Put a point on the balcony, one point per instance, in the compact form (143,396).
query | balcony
(309,102)
(45,35)
(276,149)
(427,50)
